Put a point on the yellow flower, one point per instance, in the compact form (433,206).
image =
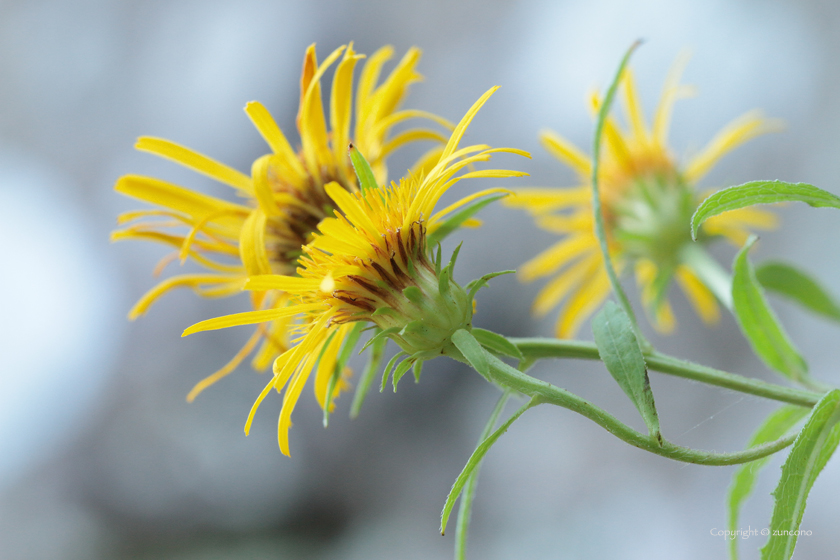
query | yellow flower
(647,200)
(370,263)
(283,199)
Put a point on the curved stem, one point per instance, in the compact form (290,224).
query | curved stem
(543,392)
(535,348)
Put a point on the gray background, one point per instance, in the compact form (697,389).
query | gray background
(102,458)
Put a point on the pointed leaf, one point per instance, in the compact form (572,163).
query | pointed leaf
(811,451)
(620,352)
(417,369)
(391,363)
(798,286)
(760,192)
(775,426)
(400,371)
(473,462)
(758,322)
(496,343)
(475,285)
(455,220)
(377,352)
(466,343)
(363,170)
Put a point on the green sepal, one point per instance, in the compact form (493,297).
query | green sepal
(466,343)
(455,220)
(759,324)
(380,335)
(377,352)
(401,370)
(443,281)
(388,368)
(414,294)
(775,426)
(384,311)
(760,192)
(620,351)
(799,287)
(496,343)
(363,171)
(417,369)
(473,287)
(438,259)
(812,449)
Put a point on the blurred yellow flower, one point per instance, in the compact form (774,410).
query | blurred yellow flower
(283,199)
(370,263)
(647,200)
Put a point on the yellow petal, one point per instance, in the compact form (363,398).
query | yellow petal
(567,152)
(195,161)
(698,295)
(249,318)
(226,369)
(558,255)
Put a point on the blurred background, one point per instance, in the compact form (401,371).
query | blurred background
(100,455)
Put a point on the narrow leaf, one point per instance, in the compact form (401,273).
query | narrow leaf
(496,343)
(758,322)
(597,213)
(811,451)
(465,509)
(363,170)
(760,192)
(377,352)
(391,363)
(417,370)
(475,285)
(454,221)
(775,426)
(798,286)
(400,371)
(620,352)
(466,343)
(474,461)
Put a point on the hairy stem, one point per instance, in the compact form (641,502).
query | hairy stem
(543,392)
(536,348)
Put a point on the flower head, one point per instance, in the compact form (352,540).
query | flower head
(370,263)
(284,198)
(647,200)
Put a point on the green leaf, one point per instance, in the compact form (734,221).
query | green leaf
(381,335)
(760,192)
(473,462)
(620,352)
(417,370)
(475,285)
(597,213)
(388,368)
(464,510)
(466,343)
(775,426)
(496,343)
(454,221)
(377,352)
(796,285)
(811,451)
(400,371)
(758,322)
(363,170)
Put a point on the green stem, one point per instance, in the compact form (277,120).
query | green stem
(465,508)
(535,348)
(709,271)
(543,392)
